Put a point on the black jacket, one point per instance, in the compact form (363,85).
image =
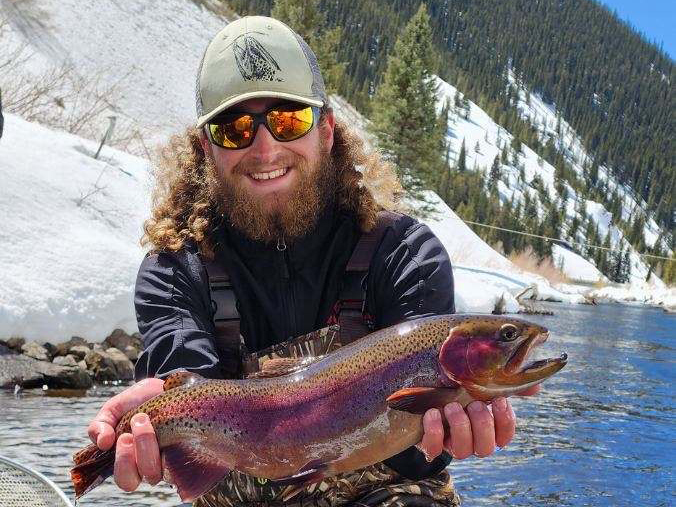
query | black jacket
(281,295)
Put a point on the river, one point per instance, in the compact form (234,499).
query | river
(601,432)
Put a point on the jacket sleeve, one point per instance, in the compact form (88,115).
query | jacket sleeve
(411,277)
(174,318)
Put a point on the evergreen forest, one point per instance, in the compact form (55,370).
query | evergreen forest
(610,84)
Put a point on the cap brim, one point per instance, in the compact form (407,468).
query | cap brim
(202,120)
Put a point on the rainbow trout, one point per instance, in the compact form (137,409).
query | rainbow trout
(352,408)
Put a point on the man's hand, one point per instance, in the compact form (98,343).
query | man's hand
(137,455)
(476,431)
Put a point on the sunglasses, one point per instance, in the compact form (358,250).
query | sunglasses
(288,122)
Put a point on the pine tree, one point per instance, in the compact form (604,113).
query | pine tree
(461,164)
(494,174)
(404,116)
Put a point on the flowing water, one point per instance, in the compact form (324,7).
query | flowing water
(602,432)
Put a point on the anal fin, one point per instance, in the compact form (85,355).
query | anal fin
(193,472)
(418,400)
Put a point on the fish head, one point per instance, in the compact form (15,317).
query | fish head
(487,355)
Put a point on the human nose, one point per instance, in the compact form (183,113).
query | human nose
(264,148)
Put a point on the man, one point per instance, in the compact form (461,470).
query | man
(266,188)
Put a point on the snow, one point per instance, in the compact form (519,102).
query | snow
(151,49)
(68,267)
(574,266)
(72,224)
(484,139)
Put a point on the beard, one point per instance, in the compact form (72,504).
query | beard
(260,220)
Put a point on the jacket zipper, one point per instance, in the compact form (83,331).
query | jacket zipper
(289,315)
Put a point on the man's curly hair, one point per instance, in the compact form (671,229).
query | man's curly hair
(186,203)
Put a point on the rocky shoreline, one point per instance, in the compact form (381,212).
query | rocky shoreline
(75,364)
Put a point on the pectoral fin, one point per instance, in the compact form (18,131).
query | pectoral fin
(419,400)
(193,472)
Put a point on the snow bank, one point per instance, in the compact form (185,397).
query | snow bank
(70,252)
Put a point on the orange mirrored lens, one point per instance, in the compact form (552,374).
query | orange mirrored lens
(287,125)
(237,133)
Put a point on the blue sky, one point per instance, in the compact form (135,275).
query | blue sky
(655,18)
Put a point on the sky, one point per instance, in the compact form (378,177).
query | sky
(656,19)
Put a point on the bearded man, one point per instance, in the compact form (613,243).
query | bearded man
(266,190)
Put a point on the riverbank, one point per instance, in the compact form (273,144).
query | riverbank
(73,364)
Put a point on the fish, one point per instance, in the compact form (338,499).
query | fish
(352,408)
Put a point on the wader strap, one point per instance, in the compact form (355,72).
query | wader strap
(349,312)
(226,319)
(350,309)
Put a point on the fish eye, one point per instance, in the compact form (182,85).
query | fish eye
(508,332)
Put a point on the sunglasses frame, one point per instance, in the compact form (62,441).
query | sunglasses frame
(262,119)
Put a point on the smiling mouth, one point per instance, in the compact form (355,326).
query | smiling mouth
(270,175)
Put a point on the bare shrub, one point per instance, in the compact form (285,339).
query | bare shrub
(528,261)
(59,98)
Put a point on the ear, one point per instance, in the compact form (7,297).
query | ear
(204,141)
(326,130)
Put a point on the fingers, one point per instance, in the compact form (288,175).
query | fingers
(460,442)
(433,437)
(505,421)
(125,471)
(483,428)
(102,429)
(146,449)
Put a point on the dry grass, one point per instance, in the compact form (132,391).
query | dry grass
(528,261)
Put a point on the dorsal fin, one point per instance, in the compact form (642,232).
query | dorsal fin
(279,366)
(182,378)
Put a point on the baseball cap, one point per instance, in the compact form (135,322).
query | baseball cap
(256,56)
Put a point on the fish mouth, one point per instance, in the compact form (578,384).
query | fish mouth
(534,370)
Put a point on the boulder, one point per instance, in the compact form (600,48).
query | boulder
(35,350)
(28,373)
(64,348)
(131,352)
(79,351)
(121,340)
(68,360)
(15,343)
(101,365)
(81,363)
(124,367)
(51,350)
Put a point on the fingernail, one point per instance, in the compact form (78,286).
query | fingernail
(476,407)
(433,415)
(140,419)
(454,408)
(500,404)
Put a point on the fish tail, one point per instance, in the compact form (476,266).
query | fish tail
(92,467)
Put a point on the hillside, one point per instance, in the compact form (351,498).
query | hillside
(612,86)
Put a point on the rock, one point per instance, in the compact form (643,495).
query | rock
(101,365)
(81,363)
(121,340)
(35,350)
(124,367)
(68,377)
(79,351)
(131,352)
(15,343)
(28,372)
(68,360)
(64,348)
(51,350)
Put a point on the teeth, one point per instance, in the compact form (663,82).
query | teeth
(269,175)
